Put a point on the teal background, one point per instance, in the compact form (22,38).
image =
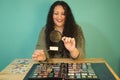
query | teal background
(22,20)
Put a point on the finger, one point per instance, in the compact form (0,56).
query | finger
(68,39)
(39,58)
(34,58)
(38,52)
(41,52)
(63,38)
(72,40)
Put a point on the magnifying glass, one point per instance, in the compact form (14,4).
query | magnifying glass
(55,36)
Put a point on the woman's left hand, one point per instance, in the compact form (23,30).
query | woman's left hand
(69,43)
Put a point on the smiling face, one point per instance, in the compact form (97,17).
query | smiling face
(59,16)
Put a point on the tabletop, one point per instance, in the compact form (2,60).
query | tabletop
(18,68)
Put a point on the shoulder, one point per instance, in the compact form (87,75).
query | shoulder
(43,28)
(78,29)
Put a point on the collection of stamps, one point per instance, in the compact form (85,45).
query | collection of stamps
(20,66)
(56,71)
(62,71)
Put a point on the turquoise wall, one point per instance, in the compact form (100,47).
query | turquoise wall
(21,21)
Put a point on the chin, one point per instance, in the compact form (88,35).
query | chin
(60,25)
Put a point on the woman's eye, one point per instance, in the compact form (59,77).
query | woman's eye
(56,13)
(63,14)
(59,14)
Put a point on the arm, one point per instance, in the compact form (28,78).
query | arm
(40,53)
(75,47)
(80,43)
(81,48)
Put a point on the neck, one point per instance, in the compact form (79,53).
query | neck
(60,29)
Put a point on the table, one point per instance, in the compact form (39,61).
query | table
(18,69)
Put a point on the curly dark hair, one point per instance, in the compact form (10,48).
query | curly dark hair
(70,26)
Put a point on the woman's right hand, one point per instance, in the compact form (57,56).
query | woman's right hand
(39,55)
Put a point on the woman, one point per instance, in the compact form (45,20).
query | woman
(60,18)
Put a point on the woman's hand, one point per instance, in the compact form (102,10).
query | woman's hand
(69,43)
(38,55)
(70,46)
